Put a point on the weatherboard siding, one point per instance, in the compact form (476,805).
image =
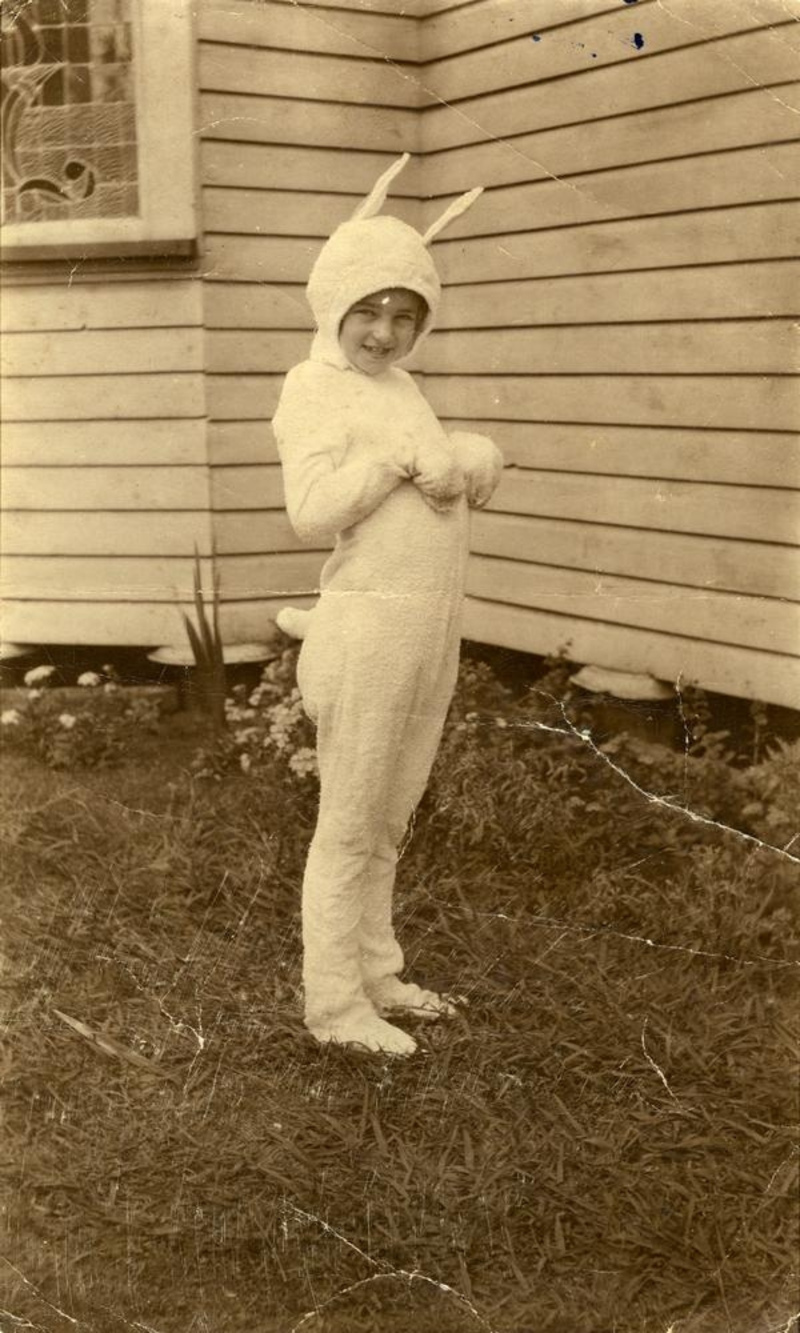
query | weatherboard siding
(620,313)
(105,480)
(299,113)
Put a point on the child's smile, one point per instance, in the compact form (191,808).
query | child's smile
(381,329)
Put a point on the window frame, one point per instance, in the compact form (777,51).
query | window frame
(168,218)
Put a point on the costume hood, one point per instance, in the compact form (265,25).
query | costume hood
(370,254)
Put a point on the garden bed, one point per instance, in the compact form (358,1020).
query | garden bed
(603,1139)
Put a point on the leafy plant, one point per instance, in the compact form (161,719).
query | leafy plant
(205,639)
(95,734)
(267,730)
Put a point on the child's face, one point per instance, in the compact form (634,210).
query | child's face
(381,329)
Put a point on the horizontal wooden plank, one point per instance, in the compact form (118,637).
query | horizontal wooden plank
(760,347)
(427,8)
(756,568)
(239,351)
(734,347)
(99,578)
(154,579)
(710,236)
(754,59)
(743,672)
(701,613)
(274,166)
(737,401)
(254,621)
(235,442)
(262,259)
(243,397)
(387,8)
(112,305)
(274,120)
(605,39)
(301,27)
(755,514)
(103,443)
(761,116)
(252,305)
(268,73)
(254,532)
(740,402)
(247,487)
(724,291)
(489,21)
(288,212)
(738,671)
(141,624)
(103,397)
(716,180)
(747,458)
(700,292)
(273,575)
(744,457)
(90,488)
(107,533)
(102,351)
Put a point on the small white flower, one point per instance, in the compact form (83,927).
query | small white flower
(245,734)
(245,762)
(67,721)
(10,717)
(35,694)
(304,762)
(36,674)
(89,679)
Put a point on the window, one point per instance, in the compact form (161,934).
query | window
(91,162)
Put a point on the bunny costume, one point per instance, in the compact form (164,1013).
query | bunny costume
(365,461)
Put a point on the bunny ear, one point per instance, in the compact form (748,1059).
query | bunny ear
(455,210)
(377,196)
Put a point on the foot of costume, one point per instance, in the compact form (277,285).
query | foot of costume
(365,461)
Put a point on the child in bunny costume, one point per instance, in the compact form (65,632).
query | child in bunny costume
(365,461)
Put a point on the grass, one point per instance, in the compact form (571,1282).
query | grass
(603,1140)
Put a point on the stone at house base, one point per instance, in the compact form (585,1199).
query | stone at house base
(8,651)
(179,655)
(629,702)
(621,684)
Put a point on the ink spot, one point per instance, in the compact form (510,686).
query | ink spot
(629,2)
(594,55)
(638,41)
(535,37)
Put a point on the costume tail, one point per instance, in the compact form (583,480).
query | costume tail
(293,621)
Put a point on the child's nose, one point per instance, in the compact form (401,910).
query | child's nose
(383,328)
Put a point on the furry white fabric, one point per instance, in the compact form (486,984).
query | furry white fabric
(365,461)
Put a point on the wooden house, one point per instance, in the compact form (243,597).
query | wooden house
(620,308)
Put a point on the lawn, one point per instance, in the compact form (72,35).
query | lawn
(604,1140)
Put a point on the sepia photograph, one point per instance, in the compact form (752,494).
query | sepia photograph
(400,666)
